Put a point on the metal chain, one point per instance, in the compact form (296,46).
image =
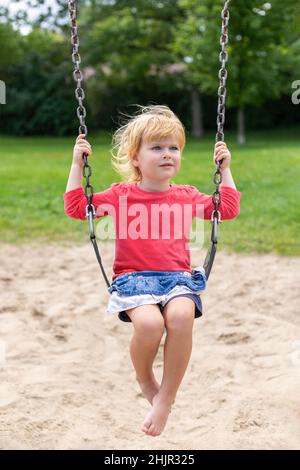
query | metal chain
(81,113)
(217,176)
(223,57)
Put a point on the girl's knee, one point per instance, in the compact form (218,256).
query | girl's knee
(179,320)
(150,326)
(147,320)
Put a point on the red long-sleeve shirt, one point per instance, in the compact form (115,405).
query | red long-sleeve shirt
(152,229)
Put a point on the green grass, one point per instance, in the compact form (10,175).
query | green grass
(34,173)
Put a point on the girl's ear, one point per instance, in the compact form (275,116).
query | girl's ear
(135,161)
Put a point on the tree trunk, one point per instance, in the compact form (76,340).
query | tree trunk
(197,116)
(241,135)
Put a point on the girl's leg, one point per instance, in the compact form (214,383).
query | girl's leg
(149,327)
(179,317)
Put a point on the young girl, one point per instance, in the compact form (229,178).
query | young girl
(153,285)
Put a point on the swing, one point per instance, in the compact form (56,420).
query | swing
(87,170)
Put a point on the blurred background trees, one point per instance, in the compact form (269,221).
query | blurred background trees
(148,51)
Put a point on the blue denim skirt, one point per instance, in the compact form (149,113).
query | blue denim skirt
(156,287)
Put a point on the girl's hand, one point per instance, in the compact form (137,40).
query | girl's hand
(222,153)
(81,146)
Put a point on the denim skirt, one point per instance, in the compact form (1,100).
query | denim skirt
(154,287)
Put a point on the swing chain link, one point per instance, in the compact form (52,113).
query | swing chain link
(90,212)
(217,176)
(223,57)
(81,111)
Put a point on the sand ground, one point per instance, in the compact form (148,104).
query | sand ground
(66,380)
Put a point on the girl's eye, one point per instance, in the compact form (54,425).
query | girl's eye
(158,147)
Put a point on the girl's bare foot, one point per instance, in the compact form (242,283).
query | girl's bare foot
(149,388)
(156,419)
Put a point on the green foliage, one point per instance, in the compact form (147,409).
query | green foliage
(261,59)
(128,46)
(39,97)
(11,52)
(149,51)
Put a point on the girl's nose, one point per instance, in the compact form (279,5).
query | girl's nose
(166,156)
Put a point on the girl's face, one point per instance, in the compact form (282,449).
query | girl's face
(159,160)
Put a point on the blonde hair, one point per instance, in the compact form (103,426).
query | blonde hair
(155,122)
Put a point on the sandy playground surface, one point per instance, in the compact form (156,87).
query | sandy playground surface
(66,380)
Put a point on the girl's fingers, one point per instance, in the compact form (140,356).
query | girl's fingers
(82,141)
(220,154)
(86,150)
(84,144)
(219,148)
(83,147)
(222,157)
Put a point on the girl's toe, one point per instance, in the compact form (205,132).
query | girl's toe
(151,430)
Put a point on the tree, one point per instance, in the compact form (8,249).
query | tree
(11,53)
(134,50)
(257,52)
(40,96)
(128,43)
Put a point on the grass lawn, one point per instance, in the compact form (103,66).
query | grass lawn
(34,173)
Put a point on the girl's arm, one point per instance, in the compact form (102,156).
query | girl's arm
(230,203)
(75,177)
(222,153)
(74,198)
(227,179)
